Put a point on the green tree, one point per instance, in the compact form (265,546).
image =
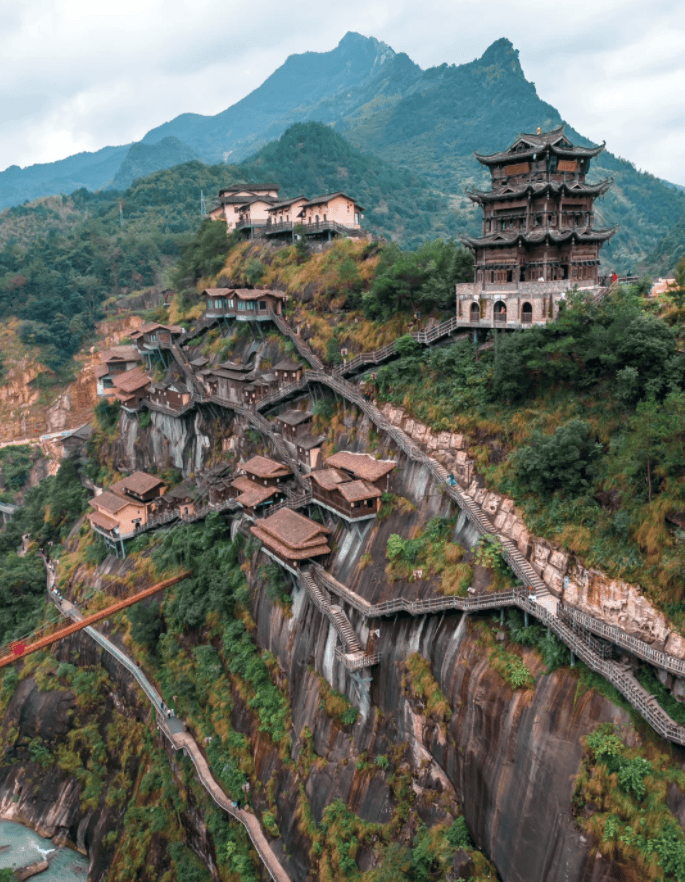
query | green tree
(563,461)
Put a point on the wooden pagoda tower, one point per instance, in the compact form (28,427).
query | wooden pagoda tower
(539,236)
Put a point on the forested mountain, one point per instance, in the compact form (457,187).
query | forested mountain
(59,262)
(429,121)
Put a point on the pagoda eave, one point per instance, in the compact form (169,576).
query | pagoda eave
(532,240)
(537,189)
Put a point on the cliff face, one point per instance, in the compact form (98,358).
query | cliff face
(42,793)
(507,757)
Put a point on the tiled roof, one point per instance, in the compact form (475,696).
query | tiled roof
(287,203)
(328,479)
(294,529)
(252,494)
(292,535)
(307,442)
(110,502)
(156,326)
(287,364)
(355,491)
(263,467)
(138,482)
(235,366)
(216,292)
(318,200)
(132,380)
(185,490)
(200,361)
(101,371)
(256,293)
(362,465)
(119,353)
(294,417)
(101,520)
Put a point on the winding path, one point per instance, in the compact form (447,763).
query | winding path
(176,733)
(577,630)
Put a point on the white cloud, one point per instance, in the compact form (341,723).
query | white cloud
(78,75)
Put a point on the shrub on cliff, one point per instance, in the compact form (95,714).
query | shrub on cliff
(563,461)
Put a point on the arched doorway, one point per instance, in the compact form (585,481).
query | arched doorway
(475,312)
(527,313)
(500,311)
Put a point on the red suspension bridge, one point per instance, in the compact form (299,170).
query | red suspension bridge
(21,648)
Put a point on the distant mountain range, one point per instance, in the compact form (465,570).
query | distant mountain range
(382,102)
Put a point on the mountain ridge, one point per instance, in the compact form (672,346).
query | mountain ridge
(429,121)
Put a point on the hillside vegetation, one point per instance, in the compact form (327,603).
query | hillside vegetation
(425,123)
(582,422)
(62,259)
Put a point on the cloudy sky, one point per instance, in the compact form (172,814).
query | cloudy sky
(78,75)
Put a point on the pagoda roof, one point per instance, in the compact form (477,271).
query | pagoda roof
(527,145)
(537,237)
(539,188)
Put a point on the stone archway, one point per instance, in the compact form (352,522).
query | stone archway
(474,315)
(500,311)
(527,313)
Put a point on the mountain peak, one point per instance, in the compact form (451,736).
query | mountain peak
(354,42)
(502,54)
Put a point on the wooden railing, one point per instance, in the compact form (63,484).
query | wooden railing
(300,345)
(379,355)
(631,690)
(353,656)
(295,502)
(514,557)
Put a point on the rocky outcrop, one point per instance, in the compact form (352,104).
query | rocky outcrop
(612,600)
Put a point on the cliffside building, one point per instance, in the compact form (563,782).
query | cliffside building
(289,538)
(258,211)
(539,238)
(125,508)
(233,203)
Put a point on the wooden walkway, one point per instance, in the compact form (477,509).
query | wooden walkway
(572,631)
(176,733)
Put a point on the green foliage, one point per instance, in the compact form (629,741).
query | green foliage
(511,668)
(440,383)
(266,700)
(276,585)
(614,340)
(562,461)
(146,624)
(205,254)
(648,679)
(107,415)
(7,875)
(336,705)
(96,551)
(407,347)
(189,868)
(419,281)
(144,419)
(217,582)
(15,465)
(324,408)
(423,686)
(630,814)
(554,653)
(40,753)
(254,272)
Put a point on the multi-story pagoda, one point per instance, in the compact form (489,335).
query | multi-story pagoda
(539,239)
